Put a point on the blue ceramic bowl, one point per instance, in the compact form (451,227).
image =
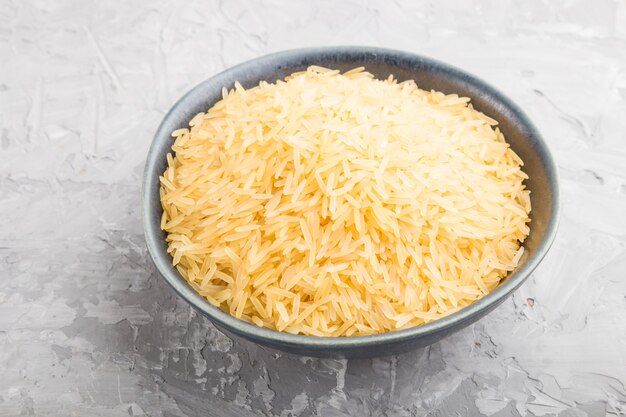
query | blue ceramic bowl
(522,135)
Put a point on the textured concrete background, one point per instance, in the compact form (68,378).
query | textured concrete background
(88,329)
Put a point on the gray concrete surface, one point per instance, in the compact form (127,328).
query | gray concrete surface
(88,329)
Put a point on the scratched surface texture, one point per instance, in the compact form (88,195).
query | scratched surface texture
(88,329)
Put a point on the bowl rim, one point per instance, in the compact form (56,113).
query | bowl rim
(161,258)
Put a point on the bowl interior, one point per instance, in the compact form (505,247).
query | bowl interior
(428,74)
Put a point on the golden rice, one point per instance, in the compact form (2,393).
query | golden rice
(335,204)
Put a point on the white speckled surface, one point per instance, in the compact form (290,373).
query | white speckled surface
(88,329)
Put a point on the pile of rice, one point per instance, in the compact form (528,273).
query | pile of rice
(336,204)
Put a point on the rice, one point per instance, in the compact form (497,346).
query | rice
(335,204)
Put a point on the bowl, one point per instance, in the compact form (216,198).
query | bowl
(521,134)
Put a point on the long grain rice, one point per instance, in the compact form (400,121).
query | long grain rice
(335,204)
